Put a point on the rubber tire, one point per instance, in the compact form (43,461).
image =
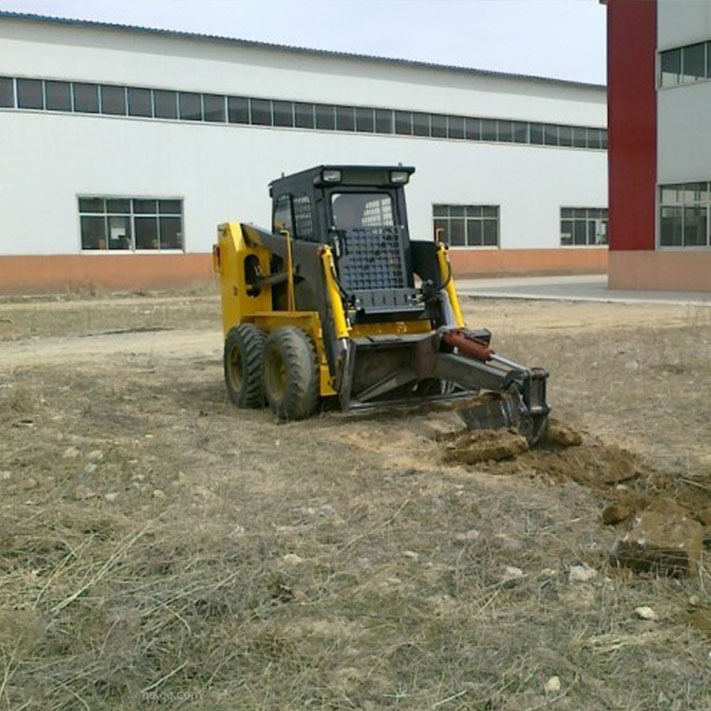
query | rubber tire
(291,377)
(245,343)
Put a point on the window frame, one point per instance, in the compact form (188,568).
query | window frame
(683,205)
(470,213)
(603,217)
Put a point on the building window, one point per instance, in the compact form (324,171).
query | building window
(467,225)
(82,97)
(683,65)
(583,226)
(130,224)
(684,215)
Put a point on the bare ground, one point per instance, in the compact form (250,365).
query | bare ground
(159,547)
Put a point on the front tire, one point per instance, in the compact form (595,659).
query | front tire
(291,377)
(242,360)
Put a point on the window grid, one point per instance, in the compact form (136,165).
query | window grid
(583,226)
(166,105)
(684,215)
(466,225)
(684,65)
(130,224)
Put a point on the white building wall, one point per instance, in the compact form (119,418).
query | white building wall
(222,170)
(683,111)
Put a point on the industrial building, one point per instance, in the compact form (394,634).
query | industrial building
(659,84)
(123,147)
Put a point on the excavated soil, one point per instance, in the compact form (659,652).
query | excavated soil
(626,480)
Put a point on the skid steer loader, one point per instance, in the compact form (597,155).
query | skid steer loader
(337,304)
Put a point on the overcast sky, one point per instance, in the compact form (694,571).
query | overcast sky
(554,38)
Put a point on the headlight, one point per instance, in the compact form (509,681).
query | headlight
(400,177)
(331,176)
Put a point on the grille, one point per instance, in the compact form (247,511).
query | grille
(372,259)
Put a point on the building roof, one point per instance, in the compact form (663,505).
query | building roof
(297,50)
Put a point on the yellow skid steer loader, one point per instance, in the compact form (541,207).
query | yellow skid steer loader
(337,303)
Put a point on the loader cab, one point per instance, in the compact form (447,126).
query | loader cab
(360,212)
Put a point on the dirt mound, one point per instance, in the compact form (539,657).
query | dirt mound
(473,446)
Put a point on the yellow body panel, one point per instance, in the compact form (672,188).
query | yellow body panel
(389,328)
(445,270)
(229,257)
(340,322)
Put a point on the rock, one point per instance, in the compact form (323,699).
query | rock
(158,494)
(71,453)
(632,365)
(96,455)
(562,435)
(552,686)
(90,468)
(694,600)
(111,496)
(615,513)
(646,613)
(29,483)
(511,573)
(4,476)
(466,536)
(664,542)
(411,555)
(581,573)
(293,559)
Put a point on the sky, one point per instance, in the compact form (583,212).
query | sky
(564,39)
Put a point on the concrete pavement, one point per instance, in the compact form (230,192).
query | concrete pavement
(587,287)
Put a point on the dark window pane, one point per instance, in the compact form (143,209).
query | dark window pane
(213,106)
(474,233)
(93,232)
(166,104)
(118,205)
(304,115)
(491,237)
(139,102)
(536,133)
(145,207)
(403,123)
(325,117)
(58,95)
(580,137)
(551,134)
(365,120)
(566,212)
(671,67)
(120,232)
(579,235)
(694,226)
(438,126)
(670,227)
(283,113)
(170,207)
(672,194)
(261,112)
(594,138)
(146,232)
(171,232)
(455,127)
(91,205)
(566,232)
(694,62)
(7,93)
(421,124)
(603,138)
(345,118)
(580,212)
(472,129)
(488,130)
(457,210)
(490,211)
(29,94)
(473,210)
(520,132)
(456,233)
(565,136)
(506,131)
(440,210)
(190,106)
(708,59)
(383,121)
(86,98)
(238,109)
(113,100)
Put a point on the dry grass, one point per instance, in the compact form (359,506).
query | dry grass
(215,560)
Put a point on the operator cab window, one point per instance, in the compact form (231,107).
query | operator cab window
(282,215)
(354,211)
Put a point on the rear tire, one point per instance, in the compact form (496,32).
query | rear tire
(291,377)
(242,361)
